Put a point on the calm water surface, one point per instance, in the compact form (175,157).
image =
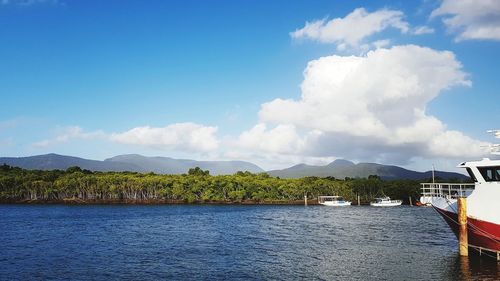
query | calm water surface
(178,242)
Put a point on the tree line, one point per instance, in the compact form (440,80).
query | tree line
(18,185)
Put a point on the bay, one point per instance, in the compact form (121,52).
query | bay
(219,242)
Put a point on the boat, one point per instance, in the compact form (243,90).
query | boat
(336,201)
(385,202)
(481,200)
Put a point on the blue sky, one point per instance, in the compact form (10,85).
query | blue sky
(192,79)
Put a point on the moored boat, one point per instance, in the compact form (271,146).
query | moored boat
(482,201)
(385,202)
(335,201)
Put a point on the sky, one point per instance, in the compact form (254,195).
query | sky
(276,83)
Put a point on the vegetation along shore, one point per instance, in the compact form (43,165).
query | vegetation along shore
(77,186)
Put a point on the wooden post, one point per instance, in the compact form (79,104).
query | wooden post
(359,203)
(305,199)
(410,201)
(462,231)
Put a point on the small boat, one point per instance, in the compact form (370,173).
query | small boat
(385,202)
(336,201)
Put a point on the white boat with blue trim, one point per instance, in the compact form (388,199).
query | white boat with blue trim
(334,201)
(385,202)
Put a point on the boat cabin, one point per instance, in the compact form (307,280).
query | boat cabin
(483,171)
(322,199)
(382,199)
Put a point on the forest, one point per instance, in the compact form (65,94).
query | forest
(75,185)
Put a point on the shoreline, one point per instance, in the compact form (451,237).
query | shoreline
(75,201)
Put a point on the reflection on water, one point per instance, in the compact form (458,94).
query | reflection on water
(473,268)
(231,242)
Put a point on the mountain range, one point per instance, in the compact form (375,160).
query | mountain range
(166,165)
(343,168)
(129,162)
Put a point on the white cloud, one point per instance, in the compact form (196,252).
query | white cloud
(471,19)
(189,137)
(180,137)
(283,139)
(369,107)
(352,29)
(67,134)
(381,43)
(420,30)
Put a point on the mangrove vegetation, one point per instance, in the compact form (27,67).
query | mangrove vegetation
(84,186)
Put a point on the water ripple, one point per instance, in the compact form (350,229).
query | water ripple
(230,242)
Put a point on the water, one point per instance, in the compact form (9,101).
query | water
(178,242)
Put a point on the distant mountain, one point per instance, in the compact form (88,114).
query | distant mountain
(55,161)
(342,168)
(167,165)
(131,162)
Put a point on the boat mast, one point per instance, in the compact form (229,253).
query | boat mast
(433,175)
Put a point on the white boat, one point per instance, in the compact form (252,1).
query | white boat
(336,201)
(482,199)
(385,202)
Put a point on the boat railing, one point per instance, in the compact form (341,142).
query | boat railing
(323,199)
(447,190)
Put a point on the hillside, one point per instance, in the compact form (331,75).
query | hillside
(130,162)
(165,165)
(342,168)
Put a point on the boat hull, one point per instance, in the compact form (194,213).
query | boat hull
(392,204)
(425,201)
(336,204)
(480,234)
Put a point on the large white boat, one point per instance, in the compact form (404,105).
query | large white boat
(336,201)
(482,201)
(385,202)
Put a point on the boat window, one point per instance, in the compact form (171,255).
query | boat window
(490,173)
(471,174)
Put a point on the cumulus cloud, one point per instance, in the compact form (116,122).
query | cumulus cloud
(283,139)
(189,137)
(381,43)
(471,19)
(367,107)
(353,28)
(67,134)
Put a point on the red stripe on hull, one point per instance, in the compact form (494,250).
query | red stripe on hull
(479,233)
